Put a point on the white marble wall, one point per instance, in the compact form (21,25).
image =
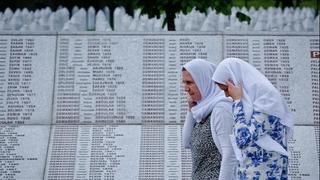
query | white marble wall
(111,105)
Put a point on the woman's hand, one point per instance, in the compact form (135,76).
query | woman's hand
(235,92)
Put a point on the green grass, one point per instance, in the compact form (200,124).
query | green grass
(268,3)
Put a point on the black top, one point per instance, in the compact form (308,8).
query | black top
(206,158)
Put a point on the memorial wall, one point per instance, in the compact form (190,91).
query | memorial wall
(112,105)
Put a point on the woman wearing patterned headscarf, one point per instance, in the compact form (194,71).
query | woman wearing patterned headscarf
(208,124)
(263,123)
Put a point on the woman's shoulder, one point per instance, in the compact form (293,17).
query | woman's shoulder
(222,110)
(221,116)
(223,106)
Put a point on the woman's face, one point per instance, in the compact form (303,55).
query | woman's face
(190,86)
(224,88)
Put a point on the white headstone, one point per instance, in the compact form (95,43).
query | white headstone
(308,22)
(134,24)
(91,18)
(45,13)
(125,22)
(35,26)
(65,15)
(74,10)
(234,22)
(25,28)
(79,19)
(192,24)
(162,17)
(16,21)
(8,13)
(181,21)
(194,21)
(244,26)
(54,23)
(137,13)
(178,23)
(25,14)
(117,17)
(70,26)
(158,25)
(150,23)
(298,26)
(142,26)
(261,24)
(29,18)
(101,22)
(316,24)
(274,24)
(222,22)
(210,23)
(252,10)
(107,13)
(297,15)
(44,23)
(61,18)
(37,14)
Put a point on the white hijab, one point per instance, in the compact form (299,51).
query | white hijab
(258,93)
(201,72)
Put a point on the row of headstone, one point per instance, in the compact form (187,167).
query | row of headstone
(79,20)
(271,19)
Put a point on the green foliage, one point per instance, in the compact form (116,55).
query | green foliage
(154,7)
(271,3)
(243,17)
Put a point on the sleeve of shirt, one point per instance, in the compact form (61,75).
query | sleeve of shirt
(187,130)
(248,131)
(222,121)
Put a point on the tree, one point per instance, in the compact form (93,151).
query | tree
(284,3)
(154,8)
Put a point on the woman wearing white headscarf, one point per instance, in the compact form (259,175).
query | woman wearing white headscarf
(208,124)
(263,123)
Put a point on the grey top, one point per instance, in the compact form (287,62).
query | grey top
(205,155)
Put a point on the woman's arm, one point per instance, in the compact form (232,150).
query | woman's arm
(187,130)
(221,126)
(249,131)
